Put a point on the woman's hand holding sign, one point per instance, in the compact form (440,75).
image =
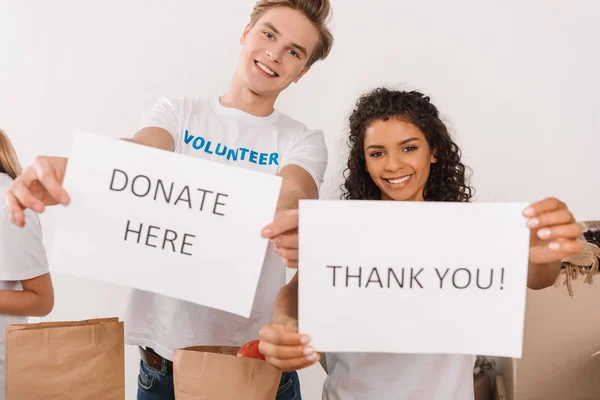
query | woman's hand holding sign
(554,235)
(554,231)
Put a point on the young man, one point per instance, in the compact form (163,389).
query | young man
(283,39)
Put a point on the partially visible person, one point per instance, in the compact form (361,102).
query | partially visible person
(25,283)
(281,42)
(402,151)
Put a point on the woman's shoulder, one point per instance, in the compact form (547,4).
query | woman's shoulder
(5,180)
(5,183)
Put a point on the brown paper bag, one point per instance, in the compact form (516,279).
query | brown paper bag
(216,373)
(65,360)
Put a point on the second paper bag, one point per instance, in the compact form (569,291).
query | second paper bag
(216,373)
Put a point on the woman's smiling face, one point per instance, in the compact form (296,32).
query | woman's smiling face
(398,158)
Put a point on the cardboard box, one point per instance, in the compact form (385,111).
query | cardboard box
(560,338)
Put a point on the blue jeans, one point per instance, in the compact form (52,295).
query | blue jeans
(154,384)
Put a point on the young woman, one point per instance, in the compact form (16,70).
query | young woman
(401,150)
(25,284)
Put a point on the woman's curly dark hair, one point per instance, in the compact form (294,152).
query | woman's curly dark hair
(446,182)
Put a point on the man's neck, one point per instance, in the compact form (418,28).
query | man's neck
(240,97)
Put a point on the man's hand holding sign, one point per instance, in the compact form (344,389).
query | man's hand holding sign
(40,184)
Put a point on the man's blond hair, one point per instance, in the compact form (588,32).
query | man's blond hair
(316,11)
(9,164)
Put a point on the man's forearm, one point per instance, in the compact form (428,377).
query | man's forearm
(297,185)
(153,137)
(289,199)
(23,303)
(286,302)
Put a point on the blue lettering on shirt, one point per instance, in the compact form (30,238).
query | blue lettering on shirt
(221,150)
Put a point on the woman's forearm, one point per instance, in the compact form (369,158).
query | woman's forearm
(24,303)
(35,300)
(286,302)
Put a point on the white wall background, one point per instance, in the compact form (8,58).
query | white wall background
(517,82)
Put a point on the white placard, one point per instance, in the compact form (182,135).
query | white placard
(434,277)
(167,223)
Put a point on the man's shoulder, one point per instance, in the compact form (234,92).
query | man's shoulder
(294,127)
(180,107)
(184,101)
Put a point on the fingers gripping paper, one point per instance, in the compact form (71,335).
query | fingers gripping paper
(216,373)
(65,360)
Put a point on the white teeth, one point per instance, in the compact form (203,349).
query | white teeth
(264,68)
(400,180)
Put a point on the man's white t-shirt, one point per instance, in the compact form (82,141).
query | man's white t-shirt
(22,257)
(204,128)
(361,376)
